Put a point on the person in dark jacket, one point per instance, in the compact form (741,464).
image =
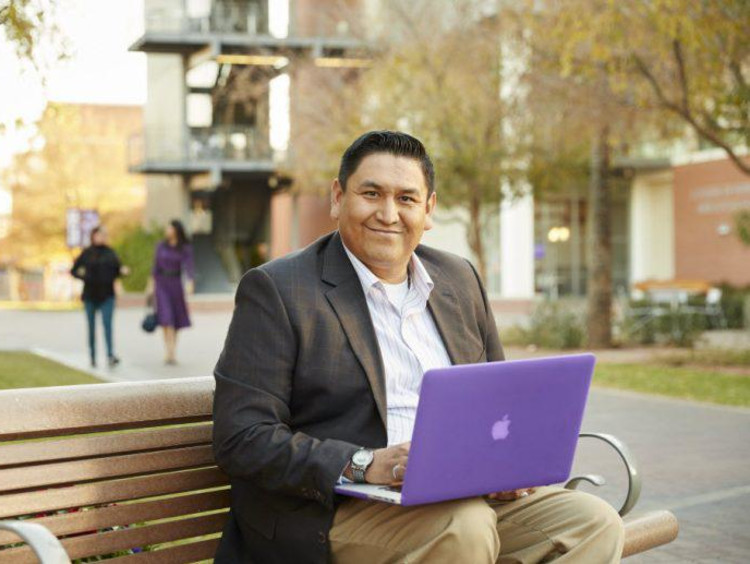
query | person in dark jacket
(99,267)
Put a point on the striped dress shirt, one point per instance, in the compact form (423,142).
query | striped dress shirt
(408,338)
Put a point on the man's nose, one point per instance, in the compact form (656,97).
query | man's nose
(388,211)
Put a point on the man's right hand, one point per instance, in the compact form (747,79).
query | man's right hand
(385,460)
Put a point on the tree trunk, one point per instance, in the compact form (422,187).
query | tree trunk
(474,236)
(599,310)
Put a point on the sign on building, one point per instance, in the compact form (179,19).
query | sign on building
(79,224)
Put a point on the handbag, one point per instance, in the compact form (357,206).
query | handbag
(149,323)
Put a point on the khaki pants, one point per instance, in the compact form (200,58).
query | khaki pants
(550,524)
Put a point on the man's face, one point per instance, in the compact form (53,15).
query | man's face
(383,212)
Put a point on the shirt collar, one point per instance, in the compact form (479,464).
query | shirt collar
(420,278)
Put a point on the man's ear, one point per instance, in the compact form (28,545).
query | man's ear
(431,203)
(336,194)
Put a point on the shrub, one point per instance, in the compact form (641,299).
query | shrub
(135,247)
(733,300)
(679,328)
(553,327)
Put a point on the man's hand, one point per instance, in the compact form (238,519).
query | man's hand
(511,495)
(388,465)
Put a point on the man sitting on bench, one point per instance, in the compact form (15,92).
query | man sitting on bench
(319,381)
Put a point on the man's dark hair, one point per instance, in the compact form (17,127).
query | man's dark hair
(392,142)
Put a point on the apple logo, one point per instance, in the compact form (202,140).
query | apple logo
(500,430)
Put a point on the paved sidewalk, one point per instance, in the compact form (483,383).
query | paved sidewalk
(695,458)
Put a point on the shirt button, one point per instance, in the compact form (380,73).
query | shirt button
(322,538)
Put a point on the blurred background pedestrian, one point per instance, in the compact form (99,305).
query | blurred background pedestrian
(173,262)
(99,267)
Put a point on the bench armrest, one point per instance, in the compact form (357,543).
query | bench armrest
(631,466)
(44,544)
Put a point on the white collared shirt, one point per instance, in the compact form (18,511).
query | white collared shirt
(408,338)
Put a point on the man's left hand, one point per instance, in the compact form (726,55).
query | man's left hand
(511,495)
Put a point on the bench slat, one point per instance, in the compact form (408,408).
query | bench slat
(29,503)
(125,539)
(126,514)
(23,478)
(192,552)
(62,410)
(116,443)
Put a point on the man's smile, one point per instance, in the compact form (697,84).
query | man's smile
(383,231)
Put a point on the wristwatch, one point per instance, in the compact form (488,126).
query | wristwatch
(361,460)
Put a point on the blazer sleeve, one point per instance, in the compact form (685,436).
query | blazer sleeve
(491,337)
(253,439)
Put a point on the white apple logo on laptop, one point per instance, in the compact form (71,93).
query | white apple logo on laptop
(500,430)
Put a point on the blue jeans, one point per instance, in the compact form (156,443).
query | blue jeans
(107,308)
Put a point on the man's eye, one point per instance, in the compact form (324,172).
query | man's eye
(407,199)
(371,193)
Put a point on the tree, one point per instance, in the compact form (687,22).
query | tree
(437,74)
(591,123)
(29,23)
(690,59)
(78,160)
(30,27)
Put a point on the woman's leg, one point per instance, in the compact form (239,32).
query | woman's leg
(90,308)
(170,341)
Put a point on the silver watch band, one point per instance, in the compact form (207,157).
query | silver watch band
(358,474)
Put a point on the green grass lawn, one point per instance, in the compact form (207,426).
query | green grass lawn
(681,382)
(19,369)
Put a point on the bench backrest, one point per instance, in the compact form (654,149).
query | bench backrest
(113,469)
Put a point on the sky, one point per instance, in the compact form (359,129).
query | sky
(100,69)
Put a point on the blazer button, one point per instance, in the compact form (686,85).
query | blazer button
(322,538)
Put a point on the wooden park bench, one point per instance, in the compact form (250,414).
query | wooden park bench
(127,471)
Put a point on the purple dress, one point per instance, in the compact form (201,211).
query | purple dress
(170,263)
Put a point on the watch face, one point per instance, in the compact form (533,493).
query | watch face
(362,457)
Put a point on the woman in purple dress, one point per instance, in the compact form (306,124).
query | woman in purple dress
(173,260)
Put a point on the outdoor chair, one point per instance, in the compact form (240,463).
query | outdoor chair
(126,471)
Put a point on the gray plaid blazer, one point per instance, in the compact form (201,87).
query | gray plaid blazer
(300,387)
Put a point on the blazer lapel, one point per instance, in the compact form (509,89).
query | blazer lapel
(446,312)
(348,301)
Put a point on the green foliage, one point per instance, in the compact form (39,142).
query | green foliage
(708,357)
(742,225)
(647,326)
(19,369)
(136,247)
(733,300)
(688,383)
(552,326)
(28,23)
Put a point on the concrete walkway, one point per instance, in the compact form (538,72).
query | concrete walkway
(695,458)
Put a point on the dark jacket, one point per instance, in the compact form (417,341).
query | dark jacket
(300,387)
(98,266)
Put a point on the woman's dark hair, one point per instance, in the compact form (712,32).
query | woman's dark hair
(394,143)
(179,229)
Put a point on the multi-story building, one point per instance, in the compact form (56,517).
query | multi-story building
(220,122)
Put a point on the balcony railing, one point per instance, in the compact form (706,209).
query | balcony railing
(205,144)
(248,17)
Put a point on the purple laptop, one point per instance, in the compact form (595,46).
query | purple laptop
(491,427)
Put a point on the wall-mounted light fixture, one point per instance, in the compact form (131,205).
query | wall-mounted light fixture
(558,234)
